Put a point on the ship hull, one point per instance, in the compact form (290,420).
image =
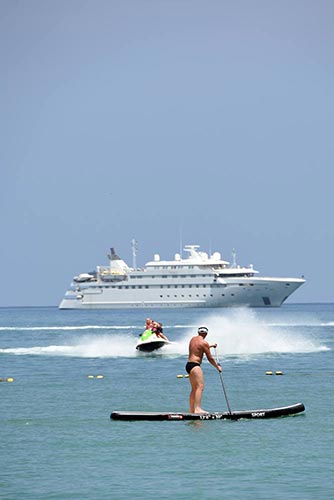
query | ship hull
(255,292)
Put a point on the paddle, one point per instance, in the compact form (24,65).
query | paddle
(223,385)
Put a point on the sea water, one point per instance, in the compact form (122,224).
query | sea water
(64,372)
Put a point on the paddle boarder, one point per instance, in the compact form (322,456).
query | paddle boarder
(198,346)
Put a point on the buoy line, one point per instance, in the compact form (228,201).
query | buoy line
(8,379)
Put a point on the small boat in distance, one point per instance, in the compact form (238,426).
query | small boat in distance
(199,280)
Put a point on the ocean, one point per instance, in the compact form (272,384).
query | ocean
(63,372)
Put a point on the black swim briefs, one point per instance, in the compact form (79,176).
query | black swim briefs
(190,365)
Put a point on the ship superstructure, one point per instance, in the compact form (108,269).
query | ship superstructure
(198,280)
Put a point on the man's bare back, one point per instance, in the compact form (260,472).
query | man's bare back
(197,348)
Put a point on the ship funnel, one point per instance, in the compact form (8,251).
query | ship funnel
(113,255)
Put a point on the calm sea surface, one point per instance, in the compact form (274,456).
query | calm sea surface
(57,440)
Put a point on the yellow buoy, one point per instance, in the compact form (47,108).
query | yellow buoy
(90,376)
(269,373)
(179,376)
(187,376)
(10,379)
(279,373)
(99,376)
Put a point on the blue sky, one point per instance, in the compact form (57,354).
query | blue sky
(149,119)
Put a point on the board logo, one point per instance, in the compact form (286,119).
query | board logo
(211,416)
(258,414)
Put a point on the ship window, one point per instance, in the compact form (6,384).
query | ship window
(161,296)
(266,301)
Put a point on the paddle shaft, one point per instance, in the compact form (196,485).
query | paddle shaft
(223,385)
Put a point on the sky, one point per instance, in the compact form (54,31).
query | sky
(170,122)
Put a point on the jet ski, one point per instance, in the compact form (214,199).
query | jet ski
(149,342)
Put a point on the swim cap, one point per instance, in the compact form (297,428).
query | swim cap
(202,329)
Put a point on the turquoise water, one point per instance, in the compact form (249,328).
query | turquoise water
(58,442)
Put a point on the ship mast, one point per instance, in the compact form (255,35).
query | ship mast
(134,253)
(234,257)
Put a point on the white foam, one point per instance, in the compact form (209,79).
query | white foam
(239,333)
(101,346)
(67,327)
(243,333)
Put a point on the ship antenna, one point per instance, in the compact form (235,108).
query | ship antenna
(134,253)
(234,257)
(181,244)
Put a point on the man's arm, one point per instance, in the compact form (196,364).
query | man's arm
(210,357)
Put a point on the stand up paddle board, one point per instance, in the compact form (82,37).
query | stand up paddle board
(235,415)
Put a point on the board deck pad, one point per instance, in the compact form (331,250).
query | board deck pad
(234,415)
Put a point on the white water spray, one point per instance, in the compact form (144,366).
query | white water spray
(239,333)
(242,333)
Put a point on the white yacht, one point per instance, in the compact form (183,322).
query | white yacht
(199,280)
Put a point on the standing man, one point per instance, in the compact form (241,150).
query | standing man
(198,346)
